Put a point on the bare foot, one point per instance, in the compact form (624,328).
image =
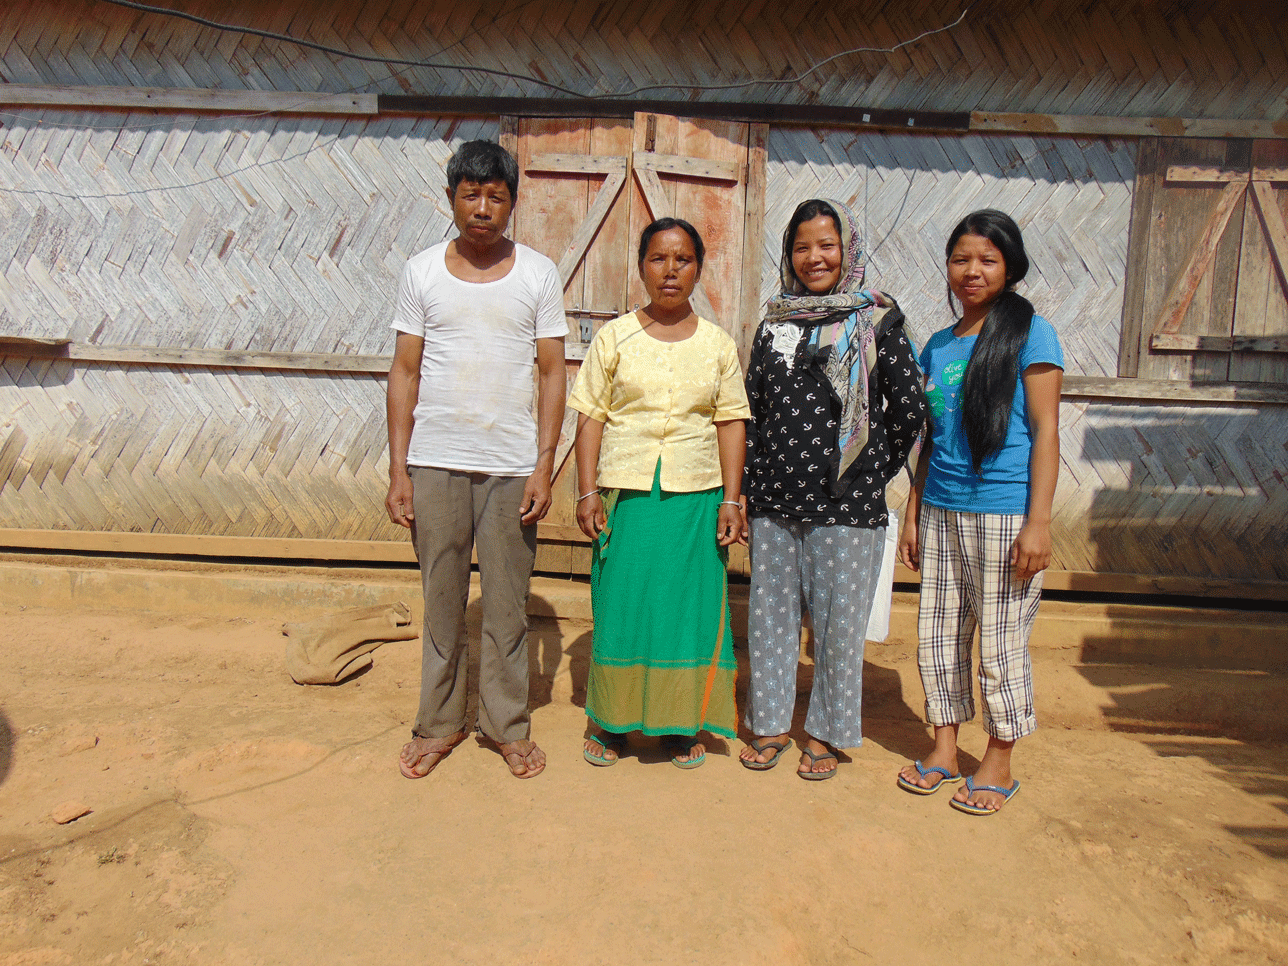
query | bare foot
(766,753)
(523,758)
(420,756)
(820,762)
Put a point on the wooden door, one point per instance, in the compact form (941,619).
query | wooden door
(587,189)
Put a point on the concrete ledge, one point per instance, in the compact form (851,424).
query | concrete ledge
(1191,637)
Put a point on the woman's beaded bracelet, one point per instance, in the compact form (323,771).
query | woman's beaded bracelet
(584,495)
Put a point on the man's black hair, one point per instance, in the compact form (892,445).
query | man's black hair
(481,162)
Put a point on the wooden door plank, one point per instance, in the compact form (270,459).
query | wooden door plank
(1132,335)
(1272,219)
(1261,309)
(590,225)
(553,205)
(610,258)
(752,239)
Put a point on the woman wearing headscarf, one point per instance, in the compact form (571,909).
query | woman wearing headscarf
(837,404)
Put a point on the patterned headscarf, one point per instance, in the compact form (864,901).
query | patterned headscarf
(842,340)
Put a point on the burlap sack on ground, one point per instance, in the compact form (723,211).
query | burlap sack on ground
(332,648)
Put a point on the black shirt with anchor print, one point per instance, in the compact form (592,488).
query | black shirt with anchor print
(792,434)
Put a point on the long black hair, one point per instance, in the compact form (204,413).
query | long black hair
(988,385)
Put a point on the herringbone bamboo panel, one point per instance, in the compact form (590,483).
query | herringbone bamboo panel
(207,233)
(155,450)
(1134,58)
(282,234)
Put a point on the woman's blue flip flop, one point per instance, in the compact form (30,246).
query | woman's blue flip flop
(971,787)
(947,779)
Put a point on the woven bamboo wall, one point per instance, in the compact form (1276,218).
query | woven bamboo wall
(284,235)
(287,234)
(1137,58)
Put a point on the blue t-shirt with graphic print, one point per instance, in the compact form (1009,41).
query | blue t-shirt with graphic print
(951,481)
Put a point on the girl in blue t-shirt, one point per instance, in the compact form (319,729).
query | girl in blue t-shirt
(978,521)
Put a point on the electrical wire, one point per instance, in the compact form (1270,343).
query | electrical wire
(528,78)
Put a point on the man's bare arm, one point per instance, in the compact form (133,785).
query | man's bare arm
(552,385)
(400,408)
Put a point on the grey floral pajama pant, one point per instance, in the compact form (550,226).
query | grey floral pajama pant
(835,569)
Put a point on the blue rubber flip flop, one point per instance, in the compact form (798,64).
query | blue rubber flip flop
(681,745)
(971,787)
(609,742)
(947,779)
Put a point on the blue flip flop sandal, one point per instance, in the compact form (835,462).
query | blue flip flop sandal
(971,787)
(609,742)
(681,745)
(947,779)
(758,745)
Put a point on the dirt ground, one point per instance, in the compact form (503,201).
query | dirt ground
(238,818)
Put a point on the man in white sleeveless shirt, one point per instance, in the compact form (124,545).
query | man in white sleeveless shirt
(469,467)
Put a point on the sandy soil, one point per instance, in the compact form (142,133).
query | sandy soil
(240,819)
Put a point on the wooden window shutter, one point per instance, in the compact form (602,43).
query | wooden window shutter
(1209,257)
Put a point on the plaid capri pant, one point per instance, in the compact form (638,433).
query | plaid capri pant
(967,581)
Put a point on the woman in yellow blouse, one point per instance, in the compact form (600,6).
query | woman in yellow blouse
(660,448)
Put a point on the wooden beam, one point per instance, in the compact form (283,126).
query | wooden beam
(187,99)
(1173,390)
(142,355)
(216,358)
(1126,127)
(1204,174)
(1218,343)
(707,168)
(1075,387)
(815,115)
(574,164)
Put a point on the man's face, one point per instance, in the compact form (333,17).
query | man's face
(481,211)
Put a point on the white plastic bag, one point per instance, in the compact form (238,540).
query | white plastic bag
(879,618)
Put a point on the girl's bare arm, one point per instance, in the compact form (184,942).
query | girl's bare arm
(1031,553)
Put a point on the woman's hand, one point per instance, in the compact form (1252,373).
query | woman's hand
(909,546)
(590,516)
(1031,552)
(729,525)
(746,524)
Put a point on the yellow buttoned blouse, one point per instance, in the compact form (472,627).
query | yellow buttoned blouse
(660,400)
